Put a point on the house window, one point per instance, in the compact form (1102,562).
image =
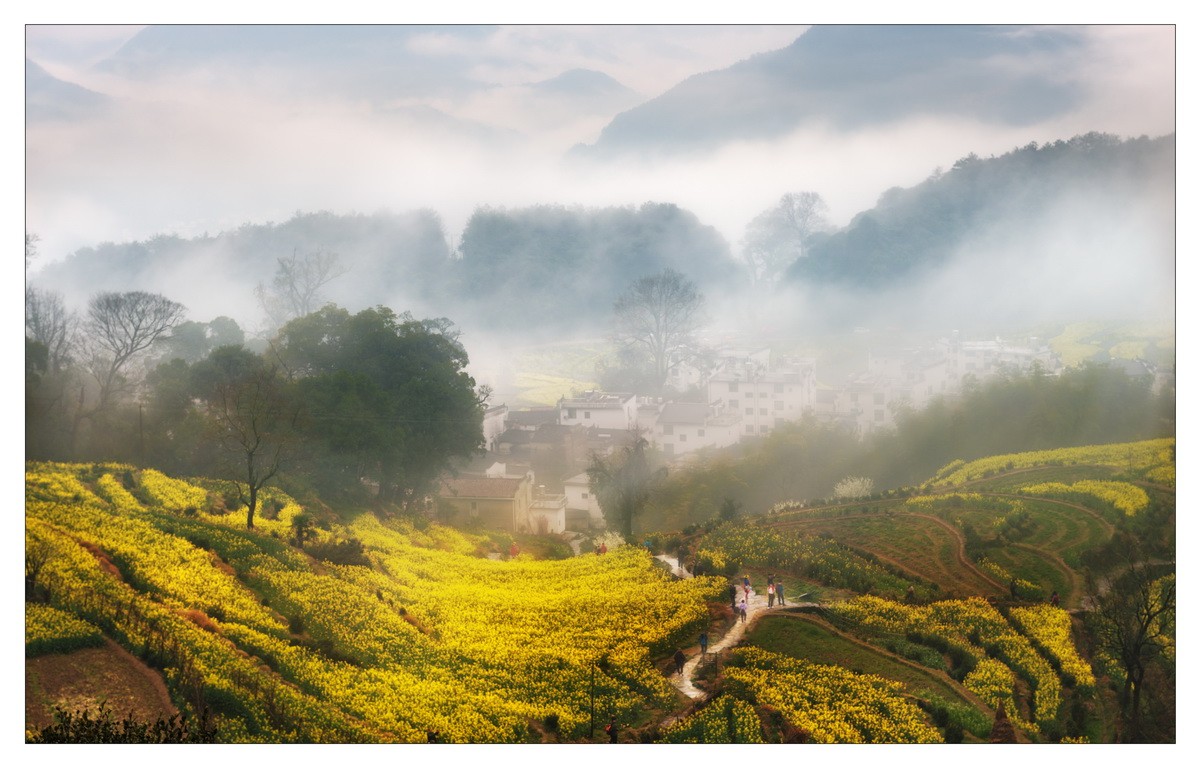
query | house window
(749,428)
(750,412)
(779,405)
(762,395)
(733,387)
(668,429)
(682,437)
(587,415)
(585,495)
(700,433)
(733,404)
(763,429)
(762,412)
(778,388)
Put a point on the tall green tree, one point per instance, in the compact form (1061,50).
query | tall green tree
(386,397)
(623,484)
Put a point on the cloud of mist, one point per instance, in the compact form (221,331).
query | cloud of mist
(196,154)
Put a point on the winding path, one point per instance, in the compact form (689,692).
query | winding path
(755,607)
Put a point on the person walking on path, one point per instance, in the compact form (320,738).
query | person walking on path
(703,643)
(1054,598)
(746,582)
(779,592)
(770,594)
(733,596)
(680,658)
(611,729)
(742,610)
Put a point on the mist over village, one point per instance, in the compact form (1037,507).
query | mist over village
(600,384)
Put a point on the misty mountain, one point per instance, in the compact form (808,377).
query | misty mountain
(379,62)
(593,90)
(48,98)
(423,121)
(923,227)
(1083,225)
(852,77)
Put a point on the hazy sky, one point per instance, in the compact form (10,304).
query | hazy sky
(204,152)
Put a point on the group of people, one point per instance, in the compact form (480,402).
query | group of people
(774,593)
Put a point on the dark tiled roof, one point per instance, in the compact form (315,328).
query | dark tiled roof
(481,488)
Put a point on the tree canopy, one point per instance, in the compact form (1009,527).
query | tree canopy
(386,398)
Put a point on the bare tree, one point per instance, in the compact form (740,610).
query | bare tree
(780,235)
(31,247)
(1133,619)
(48,322)
(120,326)
(250,416)
(296,288)
(659,316)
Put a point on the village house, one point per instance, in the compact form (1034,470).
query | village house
(494,425)
(614,411)
(765,397)
(497,502)
(984,359)
(583,509)
(684,428)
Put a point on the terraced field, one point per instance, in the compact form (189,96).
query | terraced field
(921,545)
(806,637)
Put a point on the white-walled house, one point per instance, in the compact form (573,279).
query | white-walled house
(614,411)
(984,359)
(582,504)
(765,398)
(494,419)
(683,428)
(548,513)
(917,376)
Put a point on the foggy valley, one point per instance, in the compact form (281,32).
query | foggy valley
(805,303)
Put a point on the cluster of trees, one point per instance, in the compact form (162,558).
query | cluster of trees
(350,405)
(565,265)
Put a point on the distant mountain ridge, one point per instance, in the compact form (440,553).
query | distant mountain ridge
(849,76)
(49,98)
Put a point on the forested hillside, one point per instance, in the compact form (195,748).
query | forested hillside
(554,266)
(981,203)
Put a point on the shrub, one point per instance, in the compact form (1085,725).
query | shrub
(346,552)
(81,727)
